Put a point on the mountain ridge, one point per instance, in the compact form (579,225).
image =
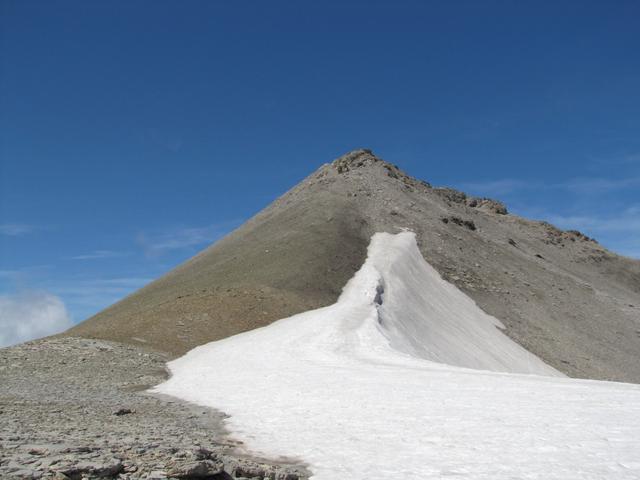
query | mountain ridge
(560,294)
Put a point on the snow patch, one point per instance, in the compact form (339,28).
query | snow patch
(404,377)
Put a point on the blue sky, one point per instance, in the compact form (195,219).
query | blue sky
(134,133)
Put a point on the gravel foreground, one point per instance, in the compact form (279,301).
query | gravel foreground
(73,408)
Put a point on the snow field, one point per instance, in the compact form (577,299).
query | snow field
(406,377)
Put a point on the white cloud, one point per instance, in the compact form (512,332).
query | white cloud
(15,229)
(29,315)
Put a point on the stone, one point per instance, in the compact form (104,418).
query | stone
(157,475)
(451,194)
(198,469)
(469,224)
(123,411)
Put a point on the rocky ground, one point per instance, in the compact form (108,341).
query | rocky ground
(74,408)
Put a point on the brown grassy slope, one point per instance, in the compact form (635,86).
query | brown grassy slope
(289,258)
(559,294)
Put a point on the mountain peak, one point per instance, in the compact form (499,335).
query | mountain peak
(365,159)
(355,159)
(297,253)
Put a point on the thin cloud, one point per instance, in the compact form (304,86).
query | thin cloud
(85,297)
(99,254)
(579,186)
(20,275)
(122,282)
(11,274)
(158,244)
(632,158)
(30,315)
(628,222)
(108,287)
(15,229)
(619,232)
(496,187)
(626,159)
(599,185)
